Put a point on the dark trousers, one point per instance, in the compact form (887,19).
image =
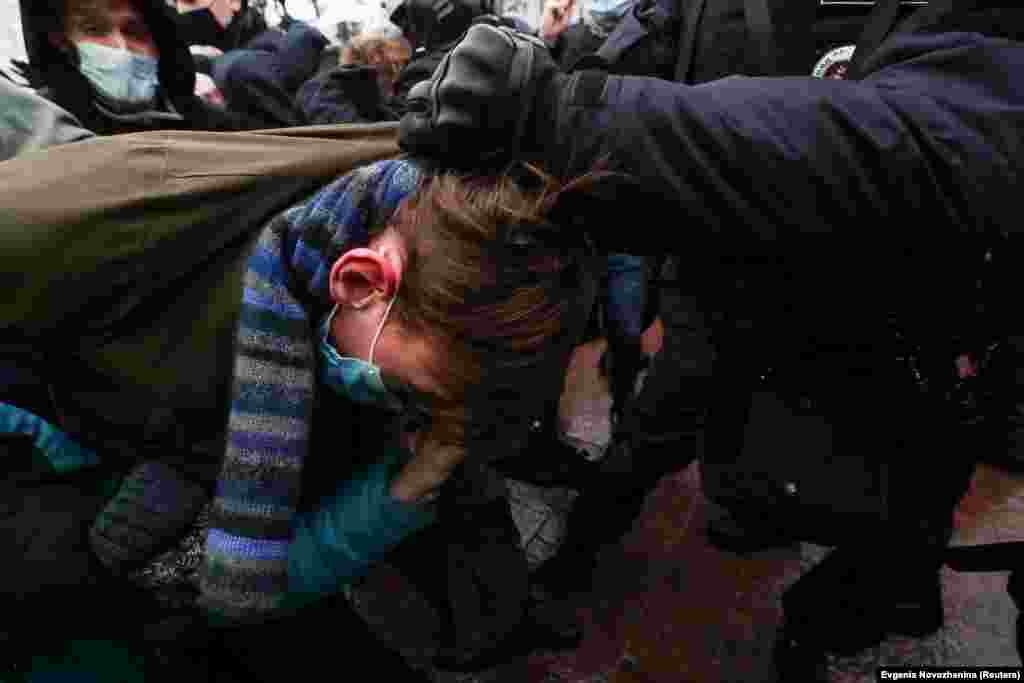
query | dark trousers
(659,433)
(328,636)
(887,580)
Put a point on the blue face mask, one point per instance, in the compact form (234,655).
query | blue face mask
(603,16)
(356,379)
(121,76)
(609,8)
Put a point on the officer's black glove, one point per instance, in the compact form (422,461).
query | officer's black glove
(491,99)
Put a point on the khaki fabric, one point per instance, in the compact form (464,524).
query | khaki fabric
(122,257)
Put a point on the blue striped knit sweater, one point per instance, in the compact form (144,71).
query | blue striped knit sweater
(254,517)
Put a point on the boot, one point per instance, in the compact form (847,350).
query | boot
(798,661)
(915,601)
(603,513)
(837,606)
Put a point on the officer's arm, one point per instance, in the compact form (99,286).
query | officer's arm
(745,156)
(926,146)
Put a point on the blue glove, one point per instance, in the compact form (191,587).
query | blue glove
(351,530)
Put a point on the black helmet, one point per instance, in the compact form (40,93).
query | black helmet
(431,23)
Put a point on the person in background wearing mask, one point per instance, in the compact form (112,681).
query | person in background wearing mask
(117,66)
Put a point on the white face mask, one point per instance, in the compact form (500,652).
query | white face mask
(121,76)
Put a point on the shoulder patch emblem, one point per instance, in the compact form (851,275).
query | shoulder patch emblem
(835,63)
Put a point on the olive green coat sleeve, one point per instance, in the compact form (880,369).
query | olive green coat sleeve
(125,254)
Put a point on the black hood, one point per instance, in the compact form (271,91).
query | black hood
(244,26)
(55,74)
(431,23)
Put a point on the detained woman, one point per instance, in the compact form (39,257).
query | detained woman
(383,321)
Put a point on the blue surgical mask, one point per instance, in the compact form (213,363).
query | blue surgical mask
(123,77)
(603,16)
(356,379)
(609,8)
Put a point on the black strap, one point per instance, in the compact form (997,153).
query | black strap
(989,557)
(759,24)
(688,43)
(629,32)
(588,88)
(879,24)
(762,36)
(883,20)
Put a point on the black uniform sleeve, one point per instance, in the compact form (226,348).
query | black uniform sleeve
(925,146)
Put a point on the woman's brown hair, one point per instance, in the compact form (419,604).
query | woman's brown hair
(490,277)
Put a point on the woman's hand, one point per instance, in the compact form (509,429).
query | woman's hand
(557,17)
(431,465)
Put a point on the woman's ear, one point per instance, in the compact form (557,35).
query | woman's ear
(359,275)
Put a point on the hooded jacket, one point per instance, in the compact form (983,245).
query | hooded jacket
(59,80)
(262,79)
(433,29)
(347,94)
(429,24)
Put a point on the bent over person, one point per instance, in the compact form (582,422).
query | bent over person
(310,388)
